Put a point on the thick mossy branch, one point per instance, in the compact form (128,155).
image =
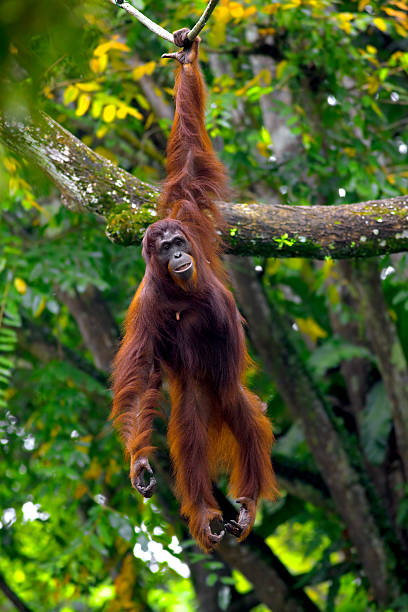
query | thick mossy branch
(89,181)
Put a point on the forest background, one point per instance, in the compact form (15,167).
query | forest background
(307,106)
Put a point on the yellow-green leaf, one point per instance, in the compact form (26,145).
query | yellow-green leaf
(83,104)
(109,113)
(149,68)
(98,64)
(134,113)
(111,45)
(90,86)
(144,69)
(265,136)
(70,94)
(10,164)
(94,470)
(236,10)
(280,68)
(149,121)
(100,132)
(312,329)
(40,308)
(376,108)
(380,24)
(142,101)
(333,294)
(107,153)
(221,15)
(122,112)
(96,108)
(20,285)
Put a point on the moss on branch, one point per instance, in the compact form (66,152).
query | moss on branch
(89,181)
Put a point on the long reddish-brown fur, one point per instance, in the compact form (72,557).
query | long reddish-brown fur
(193,336)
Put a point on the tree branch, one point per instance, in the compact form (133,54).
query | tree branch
(194,32)
(91,182)
(12,596)
(154,27)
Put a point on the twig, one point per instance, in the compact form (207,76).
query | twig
(194,32)
(154,27)
(12,596)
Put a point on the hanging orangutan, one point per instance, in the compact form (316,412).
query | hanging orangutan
(183,324)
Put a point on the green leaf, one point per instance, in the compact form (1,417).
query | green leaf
(211,579)
(376,424)
(332,352)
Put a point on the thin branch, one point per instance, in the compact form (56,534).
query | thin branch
(154,27)
(12,596)
(194,32)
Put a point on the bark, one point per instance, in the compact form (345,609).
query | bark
(274,587)
(91,182)
(272,582)
(302,483)
(387,347)
(355,371)
(207,596)
(278,350)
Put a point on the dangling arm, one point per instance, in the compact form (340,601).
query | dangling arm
(136,388)
(193,171)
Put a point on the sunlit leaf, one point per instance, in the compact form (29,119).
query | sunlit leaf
(109,113)
(83,104)
(98,64)
(40,307)
(380,24)
(311,328)
(280,68)
(236,10)
(70,94)
(144,69)
(90,86)
(112,45)
(20,285)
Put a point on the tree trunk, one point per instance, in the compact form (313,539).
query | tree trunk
(272,336)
